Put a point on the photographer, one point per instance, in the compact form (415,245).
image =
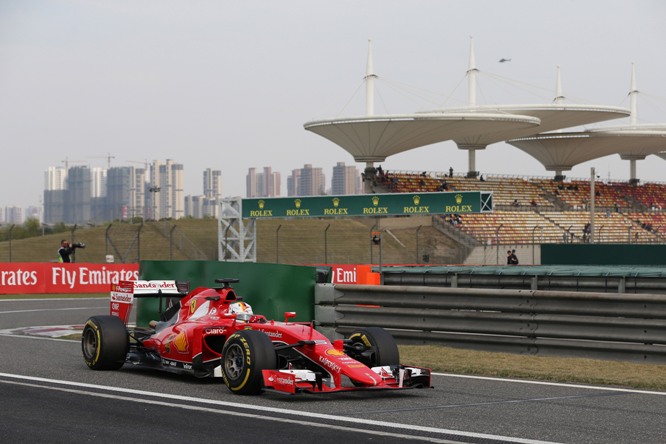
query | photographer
(66,250)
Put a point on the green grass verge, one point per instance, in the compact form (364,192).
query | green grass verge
(540,368)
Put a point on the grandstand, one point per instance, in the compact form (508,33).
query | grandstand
(536,210)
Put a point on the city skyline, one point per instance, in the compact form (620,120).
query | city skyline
(229,86)
(84,195)
(137,192)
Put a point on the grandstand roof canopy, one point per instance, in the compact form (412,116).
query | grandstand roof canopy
(373,138)
(562,151)
(637,140)
(553,117)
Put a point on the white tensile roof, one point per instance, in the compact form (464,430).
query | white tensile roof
(553,117)
(531,128)
(562,151)
(373,138)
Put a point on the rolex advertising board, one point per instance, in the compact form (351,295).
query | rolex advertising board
(398,204)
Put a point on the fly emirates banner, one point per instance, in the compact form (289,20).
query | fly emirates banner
(45,278)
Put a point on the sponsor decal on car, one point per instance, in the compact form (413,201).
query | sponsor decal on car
(334,352)
(155,285)
(272,334)
(330,364)
(179,343)
(126,298)
(285,382)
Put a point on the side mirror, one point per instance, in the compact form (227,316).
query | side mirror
(288,315)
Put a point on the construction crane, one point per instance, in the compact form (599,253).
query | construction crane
(108,158)
(145,163)
(67,162)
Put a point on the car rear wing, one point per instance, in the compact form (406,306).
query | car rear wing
(124,292)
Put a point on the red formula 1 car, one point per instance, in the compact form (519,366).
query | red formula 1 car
(211,332)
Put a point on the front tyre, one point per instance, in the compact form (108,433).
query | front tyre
(245,354)
(374,347)
(104,343)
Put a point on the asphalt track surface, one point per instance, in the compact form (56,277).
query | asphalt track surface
(47,394)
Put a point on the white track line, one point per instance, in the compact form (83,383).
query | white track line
(555,384)
(234,405)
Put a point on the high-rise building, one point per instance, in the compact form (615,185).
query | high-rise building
(270,183)
(265,184)
(98,176)
(346,179)
(312,181)
(54,194)
(206,204)
(54,206)
(167,199)
(78,196)
(33,212)
(13,215)
(152,198)
(118,196)
(212,189)
(212,183)
(251,183)
(178,193)
(194,206)
(138,190)
(292,183)
(54,178)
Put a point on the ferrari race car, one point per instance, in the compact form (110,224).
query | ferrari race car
(211,332)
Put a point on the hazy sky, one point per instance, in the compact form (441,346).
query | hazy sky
(229,85)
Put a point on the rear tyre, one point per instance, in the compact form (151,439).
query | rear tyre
(104,343)
(245,354)
(374,347)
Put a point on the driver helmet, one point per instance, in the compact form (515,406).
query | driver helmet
(242,310)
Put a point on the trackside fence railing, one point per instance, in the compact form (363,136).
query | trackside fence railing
(629,327)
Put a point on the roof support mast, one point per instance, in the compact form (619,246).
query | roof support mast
(559,98)
(471,76)
(633,119)
(369,78)
(633,97)
(471,102)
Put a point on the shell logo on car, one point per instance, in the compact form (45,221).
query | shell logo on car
(178,341)
(334,352)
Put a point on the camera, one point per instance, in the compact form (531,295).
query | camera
(79,245)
